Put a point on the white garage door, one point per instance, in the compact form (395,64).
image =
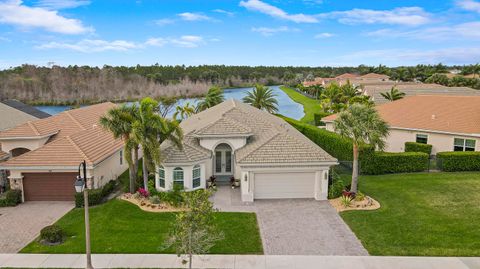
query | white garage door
(284,185)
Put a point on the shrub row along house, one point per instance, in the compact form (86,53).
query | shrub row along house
(270,158)
(46,153)
(448,123)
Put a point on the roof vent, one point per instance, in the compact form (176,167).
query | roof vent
(433,116)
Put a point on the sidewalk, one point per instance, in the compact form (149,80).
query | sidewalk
(235,261)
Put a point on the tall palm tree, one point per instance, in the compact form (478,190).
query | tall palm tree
(214,97)
(262,97)
(393,95)
(150,130)
(184,111)
(119,121)
(363,125)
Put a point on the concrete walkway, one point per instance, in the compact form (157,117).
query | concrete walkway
(235,261)
(21,224)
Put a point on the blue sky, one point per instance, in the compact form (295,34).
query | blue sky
(241,32)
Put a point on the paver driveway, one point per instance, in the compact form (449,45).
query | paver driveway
(305,227)
(21,224)
(295,226)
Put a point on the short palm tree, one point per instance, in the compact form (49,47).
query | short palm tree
(214,97)
(119,121)
(262,97)
(363,125)
(393,95)
(184,111)
(148,131)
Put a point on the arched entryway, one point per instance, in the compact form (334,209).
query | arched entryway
(223,162)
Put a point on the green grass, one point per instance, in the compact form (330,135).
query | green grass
(427,214)
(121,227)
(310,106)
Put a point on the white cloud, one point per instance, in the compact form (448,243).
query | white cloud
(409,16)
(262,7)
(98,45)
(13,12)
(228,13)
(4,39)
(469,5)
(323,35)
(188,41)
(469,30)
(162,22)
(457,55)
(191,16)
(267,31)
(61,4)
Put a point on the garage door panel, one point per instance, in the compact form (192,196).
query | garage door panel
(49,186)
(284,185)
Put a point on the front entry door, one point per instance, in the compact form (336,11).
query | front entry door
(223,162)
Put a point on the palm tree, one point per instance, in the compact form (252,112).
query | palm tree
(262,97)
(119,121)
(214,97)
(363,125)
(184,111)
(150,130)
(393,95)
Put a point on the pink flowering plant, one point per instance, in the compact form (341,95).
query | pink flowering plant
(143,192)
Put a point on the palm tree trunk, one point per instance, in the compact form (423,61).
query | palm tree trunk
(145,172)
(354,185)
(135,161)
(131,168)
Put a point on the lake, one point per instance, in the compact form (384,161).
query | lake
(286,106)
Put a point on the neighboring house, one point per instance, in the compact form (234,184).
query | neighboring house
(448,123)
(270,158)
(47,153)
(375,77)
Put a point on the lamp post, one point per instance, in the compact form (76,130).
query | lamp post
(81,186)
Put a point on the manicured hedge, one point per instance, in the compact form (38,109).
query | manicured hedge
(96,196)
(418,147)
(371,162)
(11,198)
(398,162)
(458,161)
(317,117)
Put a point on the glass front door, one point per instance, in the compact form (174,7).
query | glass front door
(223,160)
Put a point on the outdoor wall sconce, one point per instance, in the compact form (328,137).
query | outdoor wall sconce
(246,177)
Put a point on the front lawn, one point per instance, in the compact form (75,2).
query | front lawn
(427,214)
(310,106)
(121,227)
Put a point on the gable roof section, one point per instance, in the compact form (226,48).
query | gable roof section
(272,140)
(453,114)
(374,76)
(347,76)
(224,127)
(81,139)
(30,110)
(63,124)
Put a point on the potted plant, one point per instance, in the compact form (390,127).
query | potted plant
(232,182)
(211,182)
(237,183)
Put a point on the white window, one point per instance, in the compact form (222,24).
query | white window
(121,157)
(178,176)
(196,172)
(461,144)
(161,177)
(422,138)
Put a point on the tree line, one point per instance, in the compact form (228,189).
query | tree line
(85,84)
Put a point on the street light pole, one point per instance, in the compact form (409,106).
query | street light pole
(81,185)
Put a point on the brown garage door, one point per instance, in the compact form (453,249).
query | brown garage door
(49,186)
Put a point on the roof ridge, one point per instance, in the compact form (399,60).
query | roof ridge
(75,120)
(78,149)
(30,124)
(259,146)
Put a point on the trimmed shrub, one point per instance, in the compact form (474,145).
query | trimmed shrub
(398,162)
(96,196)
(458,161)
(52,234)
(418,147)
(11,198)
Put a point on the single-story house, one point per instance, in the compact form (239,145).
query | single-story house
(448,123)
(270,158)
(46,153)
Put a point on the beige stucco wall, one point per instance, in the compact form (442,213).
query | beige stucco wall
(439,141)
(31,144)
(109,169)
